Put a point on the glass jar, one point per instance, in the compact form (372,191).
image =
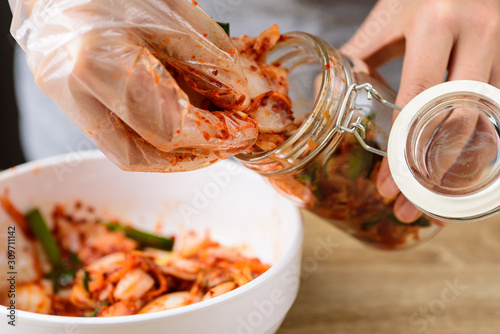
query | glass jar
(330,164)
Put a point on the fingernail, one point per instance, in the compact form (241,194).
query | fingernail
(388,189)
(407,212)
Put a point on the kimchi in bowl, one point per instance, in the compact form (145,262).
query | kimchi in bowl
(233,205)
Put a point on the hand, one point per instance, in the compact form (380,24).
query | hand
(137,77)
(435,36)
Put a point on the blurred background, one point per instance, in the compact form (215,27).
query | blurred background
(10,147)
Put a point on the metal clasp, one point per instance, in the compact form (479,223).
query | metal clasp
(347,108)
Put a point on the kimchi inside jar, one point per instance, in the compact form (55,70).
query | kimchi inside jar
(329,164)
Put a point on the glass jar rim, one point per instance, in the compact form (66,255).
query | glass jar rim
(327,57)
(473,205)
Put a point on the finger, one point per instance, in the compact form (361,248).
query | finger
(405,211)
(129,151)
(423,67)
(135,86)
(447,140)
(385,184)
(482,148)
(495,69)
(146,121)
(377,54)
(379,39)
(187,38)
(456,139)
(425,63)
(495,73)
(121,144)
(473,54)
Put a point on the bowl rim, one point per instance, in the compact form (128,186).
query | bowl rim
(96,155)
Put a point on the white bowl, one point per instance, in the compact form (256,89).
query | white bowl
(235,205)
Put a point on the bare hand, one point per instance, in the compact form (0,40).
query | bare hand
(434,36)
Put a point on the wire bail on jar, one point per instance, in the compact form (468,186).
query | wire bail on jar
(328,173)
(348,106)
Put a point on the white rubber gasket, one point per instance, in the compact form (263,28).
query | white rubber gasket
(452,207)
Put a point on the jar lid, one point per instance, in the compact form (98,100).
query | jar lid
(444,152)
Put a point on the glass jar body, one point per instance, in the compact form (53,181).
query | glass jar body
(324,167)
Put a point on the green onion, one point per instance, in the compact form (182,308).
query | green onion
(64,269)
(422,221)
(41,231)
(93,314)
(224,26)
(85,278)
(372,222)
(303,178)
(61,277)
(65,277)
(361,162)
(144,239)
(96,311)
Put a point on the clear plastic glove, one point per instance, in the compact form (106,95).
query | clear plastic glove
(116,68)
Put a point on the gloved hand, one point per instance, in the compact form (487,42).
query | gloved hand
(136,76)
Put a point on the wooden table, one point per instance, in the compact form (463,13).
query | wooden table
(449,285)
